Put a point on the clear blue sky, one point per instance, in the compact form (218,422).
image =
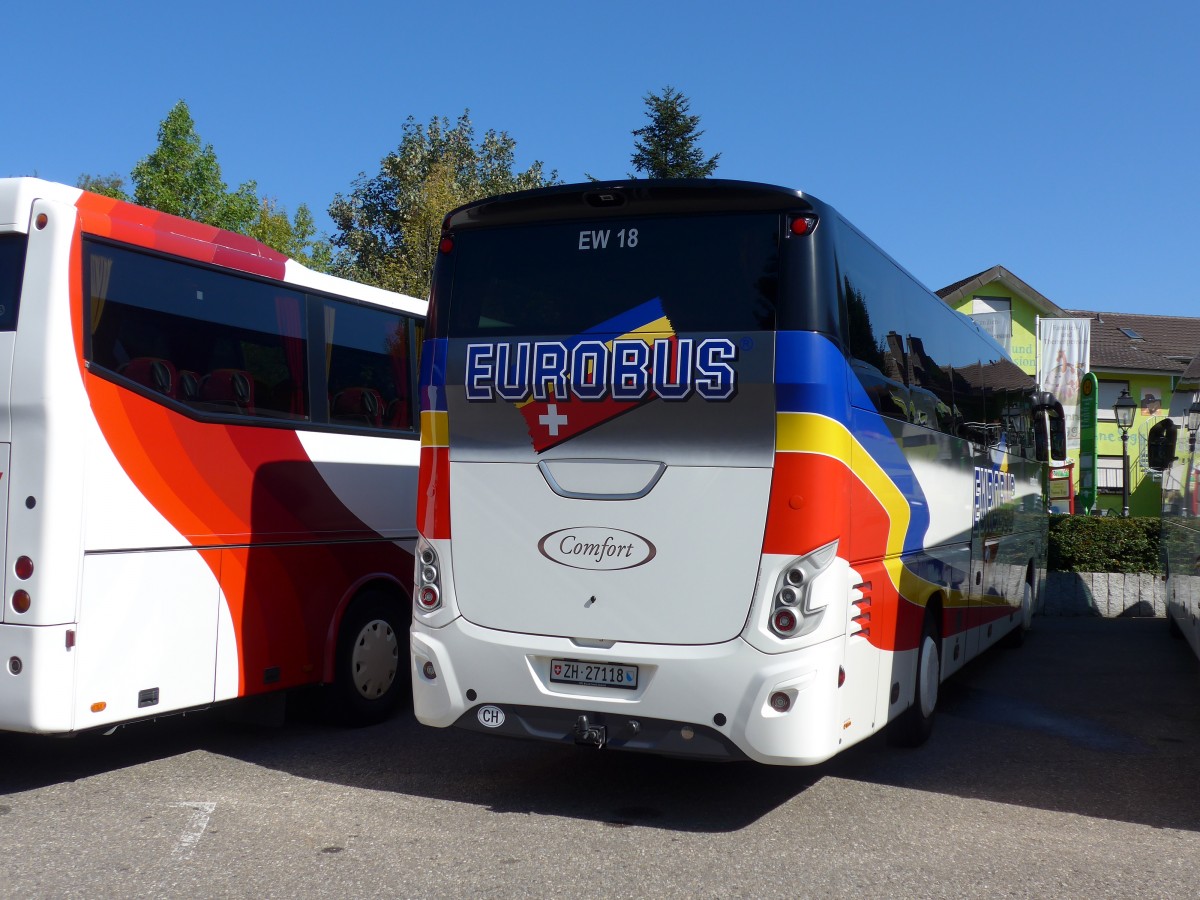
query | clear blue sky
(1057,139)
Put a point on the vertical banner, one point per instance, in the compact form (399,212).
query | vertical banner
(1065,355)
(1089,394)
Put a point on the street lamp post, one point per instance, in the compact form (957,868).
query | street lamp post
(1191,422)
(1124,408)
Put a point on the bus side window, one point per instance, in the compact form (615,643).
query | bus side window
(368,367)
(214,340)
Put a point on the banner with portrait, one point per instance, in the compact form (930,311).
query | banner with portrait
(1064,356)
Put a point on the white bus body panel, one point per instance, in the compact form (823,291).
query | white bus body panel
(47,461)
(361,471)
(38,697)
(7,342)
(148,622)
(695,588)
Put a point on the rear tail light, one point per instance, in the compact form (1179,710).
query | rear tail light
(24,568)
(802,225)
(797,608)
(21,601)
(428,583)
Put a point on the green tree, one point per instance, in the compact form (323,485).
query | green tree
(668,147)
(295,237)
(389,226)
(181,176)
(106,185)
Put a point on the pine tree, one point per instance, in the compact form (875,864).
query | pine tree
(668,147)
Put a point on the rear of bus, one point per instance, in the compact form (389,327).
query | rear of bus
(608,551)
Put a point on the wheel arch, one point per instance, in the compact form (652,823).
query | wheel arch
(375,583)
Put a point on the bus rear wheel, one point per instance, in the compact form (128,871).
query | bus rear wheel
(371,666)
(913,726)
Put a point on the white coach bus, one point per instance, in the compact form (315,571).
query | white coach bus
(208,459)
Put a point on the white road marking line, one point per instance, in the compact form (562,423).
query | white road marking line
(197,823)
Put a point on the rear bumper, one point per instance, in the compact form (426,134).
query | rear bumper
(37,678)
(707,702)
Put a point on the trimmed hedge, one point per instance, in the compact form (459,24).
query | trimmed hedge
(1103,544)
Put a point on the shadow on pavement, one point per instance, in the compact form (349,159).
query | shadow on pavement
(1096,717)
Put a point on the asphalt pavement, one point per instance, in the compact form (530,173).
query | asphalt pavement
(1069,767)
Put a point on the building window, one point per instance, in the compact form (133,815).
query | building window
(1110,474)
(1109,392)
(994,315)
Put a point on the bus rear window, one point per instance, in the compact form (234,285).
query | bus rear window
(716,273)
(12,263)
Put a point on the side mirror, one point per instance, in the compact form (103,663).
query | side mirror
(1160,445)
(1050,428)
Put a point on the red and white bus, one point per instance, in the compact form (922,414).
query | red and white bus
(705,473)
(207,469)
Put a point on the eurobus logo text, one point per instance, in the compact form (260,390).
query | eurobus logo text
(626,369)
(992,490)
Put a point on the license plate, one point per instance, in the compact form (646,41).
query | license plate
(572,671)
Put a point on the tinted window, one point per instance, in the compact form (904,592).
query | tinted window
(367,366)
(711,274)
(237,346)
(919,360)
(874,295)
(12,263)
(205,338)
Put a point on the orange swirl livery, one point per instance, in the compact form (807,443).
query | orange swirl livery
(211,455)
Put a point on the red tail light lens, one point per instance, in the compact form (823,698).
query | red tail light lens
(784,621)
(427,597)
(21,601)
(802,225)
(24,568)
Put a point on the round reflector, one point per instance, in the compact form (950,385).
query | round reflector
(24,567)
(445,245)
(21,601)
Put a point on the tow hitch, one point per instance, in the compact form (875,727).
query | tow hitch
(588,734)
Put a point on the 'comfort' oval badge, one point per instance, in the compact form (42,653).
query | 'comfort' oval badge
(598,549)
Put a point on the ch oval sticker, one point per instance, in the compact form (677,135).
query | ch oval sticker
(597,549)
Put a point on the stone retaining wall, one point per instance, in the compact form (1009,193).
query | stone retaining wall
(1103,594)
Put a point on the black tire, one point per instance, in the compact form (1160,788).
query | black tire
(1016,637)
(913,726)
(371,667)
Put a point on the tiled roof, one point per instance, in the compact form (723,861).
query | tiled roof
(1162,344)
